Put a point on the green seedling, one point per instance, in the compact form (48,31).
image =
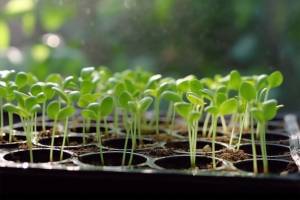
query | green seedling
(172,97)
(27,108)
(137,108)
(185,110)
(220,106)
(97,111)
(264,112)
(66,112)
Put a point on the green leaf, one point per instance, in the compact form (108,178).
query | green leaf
(86,99)
(87,72)
(212,110)
(235,80)
(247,91)
(261,82)
(220,98)
(171,96)
(30,102)
(41,97)
(3,89)
(183,109)
(124,98)
(183,84)
(4,35)
(74,96)
(258,114)
(21,79)
(88,114)
(53,109)
(229,106)
(65,112)
(49,92)
(37,88)
(10,108)
(106,106)
(194,116)
(62,94)
(94,107)
(145,103)
(69,82)
(34,109)
(195,99)
(196,86)
(55,78)
(275,79)
(86,87)
(132,105)
(118,89)
(269,109)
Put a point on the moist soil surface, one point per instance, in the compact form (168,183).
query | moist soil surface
(232,155)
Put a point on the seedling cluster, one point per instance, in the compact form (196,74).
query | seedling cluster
(138,100)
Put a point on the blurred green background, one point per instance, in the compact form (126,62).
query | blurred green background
(172,37)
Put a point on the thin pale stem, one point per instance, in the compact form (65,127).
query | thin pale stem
(64,138)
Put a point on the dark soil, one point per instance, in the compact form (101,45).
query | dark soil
(159,152)
(232,155)
(292,168)
(5,139)
(85,149)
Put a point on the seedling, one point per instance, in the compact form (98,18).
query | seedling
(27,108)
(191,117)
(219,107)
(97,111)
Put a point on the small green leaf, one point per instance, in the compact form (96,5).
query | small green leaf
(49,92)
(86,87)
(69,82)
(234,80)
(247,91)
(106,106)
(220,98)
(10,108)
(53,109)
(94,107)
(88,114)
(65,112)
(183,109)
(30,102)
(258,114)
(145,103)
(229,106)
(195,99)
(194,116)
(21,79)
(118,89)
(171,96)
(86,73)
(196,86)
(37,88)
(124,98)
(86,99)
(261,82)
(212,110)
(41,97)
(183,84)
(62,94)
(269,109)
(275,79)
(74,96)
(55,78)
